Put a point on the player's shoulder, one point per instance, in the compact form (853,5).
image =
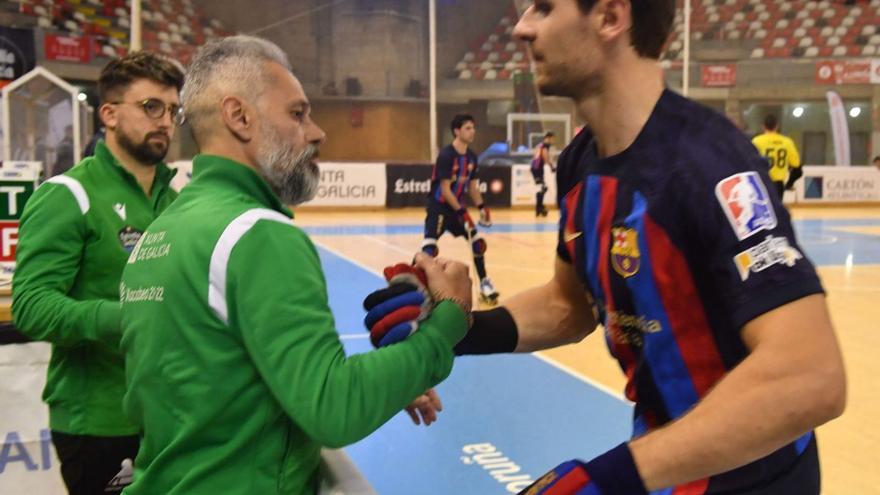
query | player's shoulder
(446,155)
(447,151)
(570,163)
(709,146)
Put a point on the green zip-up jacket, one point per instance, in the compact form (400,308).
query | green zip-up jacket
(235,370)
(75,235)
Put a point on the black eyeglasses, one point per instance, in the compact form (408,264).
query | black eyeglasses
(155,108)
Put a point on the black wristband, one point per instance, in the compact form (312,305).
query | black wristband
(480,206)
(615,472)
(492,332)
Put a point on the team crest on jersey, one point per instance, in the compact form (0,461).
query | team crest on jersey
(129,236)
(625,256)
(746,203)
(771,251)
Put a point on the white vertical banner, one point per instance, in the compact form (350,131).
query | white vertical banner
(28,462)
(839,129)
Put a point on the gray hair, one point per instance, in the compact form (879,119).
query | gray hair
(230,66)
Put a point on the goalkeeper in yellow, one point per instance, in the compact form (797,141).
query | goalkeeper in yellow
(781,153)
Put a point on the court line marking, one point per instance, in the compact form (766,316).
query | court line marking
(552,362)
(389,245)
(400,250)
(582,377)
(354,336)
(820,239)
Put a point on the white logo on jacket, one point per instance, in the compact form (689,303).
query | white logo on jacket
(119,208)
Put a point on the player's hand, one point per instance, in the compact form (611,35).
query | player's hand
(485,216)
(612,473)
(465,218)
(425,406)
(447,280)
(394,313)
(568,478)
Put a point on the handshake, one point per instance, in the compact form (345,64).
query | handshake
(394,313)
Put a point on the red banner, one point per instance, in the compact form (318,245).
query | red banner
(719,76)
(843,72)
(67,48)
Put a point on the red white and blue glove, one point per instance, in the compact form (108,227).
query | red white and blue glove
(394,313)
(465,218)
(612,473)
(485,216)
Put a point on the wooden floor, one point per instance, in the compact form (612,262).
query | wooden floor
(849,446)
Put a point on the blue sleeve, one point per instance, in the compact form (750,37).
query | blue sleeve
(744,232)
(443,166)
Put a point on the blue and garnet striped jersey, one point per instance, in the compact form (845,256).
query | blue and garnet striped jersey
(460,169)
(680,245)
(538,159)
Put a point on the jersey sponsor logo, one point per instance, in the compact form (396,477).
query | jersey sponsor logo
(634,323)
(771,251)
(119,208)
(128,237)
(746,204)
(625,256)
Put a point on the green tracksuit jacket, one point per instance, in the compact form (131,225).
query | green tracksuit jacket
(75,235)
(235,370)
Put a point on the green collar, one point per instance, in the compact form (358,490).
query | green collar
(105,157)
(213,169)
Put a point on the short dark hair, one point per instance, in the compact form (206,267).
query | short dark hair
(121,72)
(770,122)
(876,159)
(549,134)
(651,24)
(460,120)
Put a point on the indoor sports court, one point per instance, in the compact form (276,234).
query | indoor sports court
(419,106)
(552,404)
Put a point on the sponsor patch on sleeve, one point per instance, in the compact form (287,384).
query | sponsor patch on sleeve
(746,204)
(771,251)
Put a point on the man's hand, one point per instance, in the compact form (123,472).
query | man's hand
(465,219)
(393,313)
(612,473)
(447,280)
(425,406)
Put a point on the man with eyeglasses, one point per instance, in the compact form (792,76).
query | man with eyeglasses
(77,232)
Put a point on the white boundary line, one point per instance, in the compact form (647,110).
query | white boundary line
(350,260)
(388,245)
(546,359)
(580,376)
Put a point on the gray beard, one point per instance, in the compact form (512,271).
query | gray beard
(293,177)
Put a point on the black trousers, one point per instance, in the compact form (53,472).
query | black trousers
(90,464)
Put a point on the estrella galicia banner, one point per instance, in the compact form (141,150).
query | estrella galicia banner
(410,185)
(16,53)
